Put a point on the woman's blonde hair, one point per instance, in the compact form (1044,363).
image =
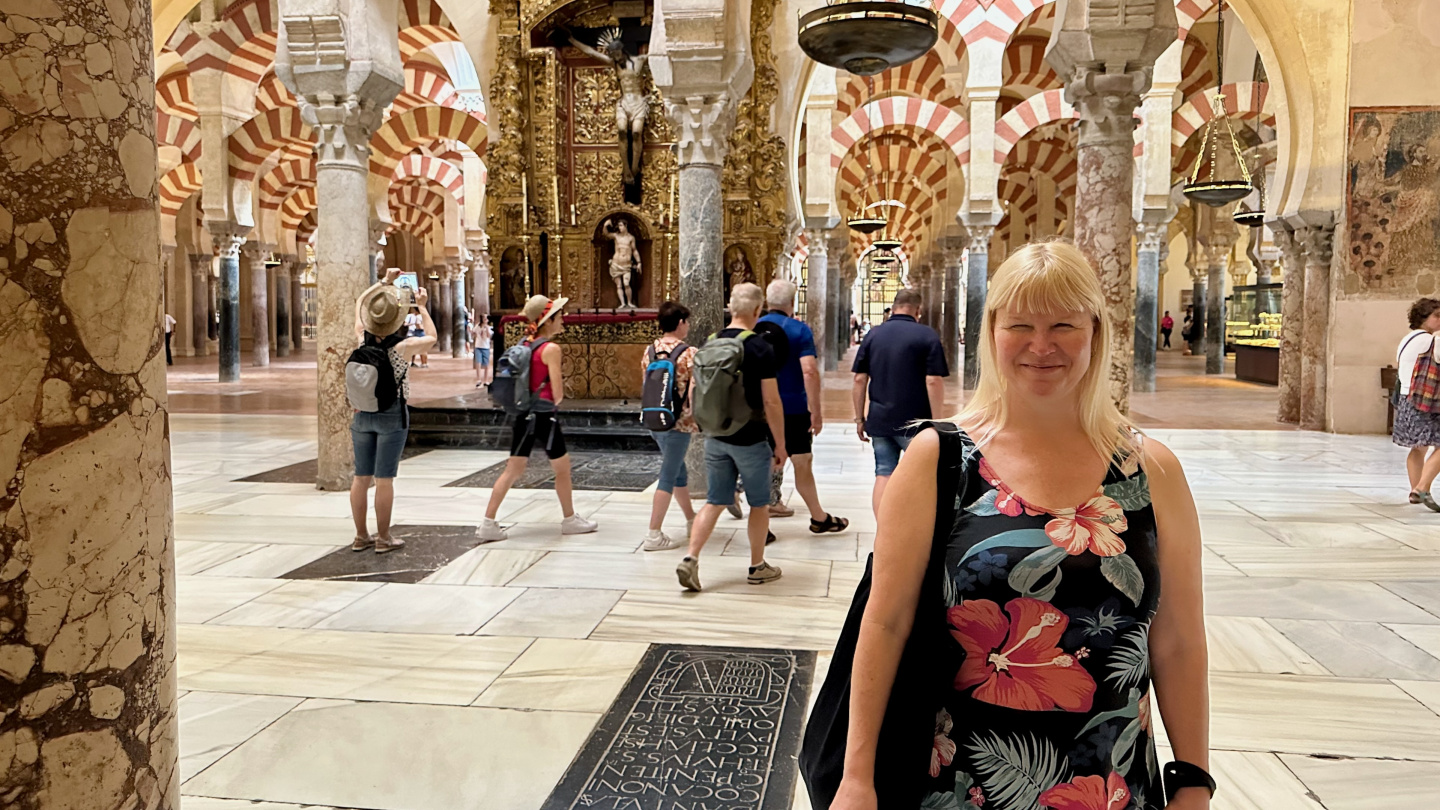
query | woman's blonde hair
(1050,277)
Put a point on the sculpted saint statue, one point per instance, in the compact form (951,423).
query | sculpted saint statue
(632,108)
(625,262)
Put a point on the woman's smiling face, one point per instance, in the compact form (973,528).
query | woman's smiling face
(1043,353)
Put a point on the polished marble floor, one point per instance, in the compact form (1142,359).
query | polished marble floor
(476,686)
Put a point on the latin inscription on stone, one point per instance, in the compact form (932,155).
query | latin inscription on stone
(696,728)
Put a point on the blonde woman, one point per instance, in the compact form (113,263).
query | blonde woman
(1018,566)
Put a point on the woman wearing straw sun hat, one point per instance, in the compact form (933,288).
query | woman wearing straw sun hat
(379,438)
(544,321)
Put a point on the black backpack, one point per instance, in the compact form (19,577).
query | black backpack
(660,402)
(370,382)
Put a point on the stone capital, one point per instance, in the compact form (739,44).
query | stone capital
(227,237)
(1317,243)
(704,123)
(817,242)
(952,249)
(1151,235)
(1106,104)
(980,236)
(343,127)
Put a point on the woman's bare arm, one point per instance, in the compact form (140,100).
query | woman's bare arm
(1179,659)
(902,551)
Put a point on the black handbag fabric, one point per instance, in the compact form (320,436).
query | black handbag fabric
(927,668)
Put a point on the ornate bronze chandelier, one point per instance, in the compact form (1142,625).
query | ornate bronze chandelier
(1220,175)
(869,36)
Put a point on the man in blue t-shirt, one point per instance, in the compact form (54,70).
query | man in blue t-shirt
(902,364)
(799,380)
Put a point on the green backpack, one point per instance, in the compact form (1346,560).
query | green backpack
(717,387)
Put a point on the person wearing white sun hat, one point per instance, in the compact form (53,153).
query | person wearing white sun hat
(545,321)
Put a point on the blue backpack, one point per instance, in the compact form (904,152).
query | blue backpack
(660,402)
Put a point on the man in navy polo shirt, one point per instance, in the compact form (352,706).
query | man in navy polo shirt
(902,364)
(799,380)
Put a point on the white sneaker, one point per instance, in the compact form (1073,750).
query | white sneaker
(577,525)
(490,531)
(660,541)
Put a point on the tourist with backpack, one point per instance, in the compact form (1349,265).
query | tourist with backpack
(377,385)
(529,386)
(666,370)
(799,383)
(734,398)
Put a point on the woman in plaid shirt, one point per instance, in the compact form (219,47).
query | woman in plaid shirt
(1414,428)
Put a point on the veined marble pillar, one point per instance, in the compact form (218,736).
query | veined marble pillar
(457,326)
(817,297)
(1292,323)
(87,560)
(1317,242)
(977,282)
(377,256)
(200,303)
(227,245)
(1198,304)
(1147,302)
(953,254)
(444,312)
(1215,316)
(212,299)
(282,309)
(297,306)
(1103,192)
(259,304)
(704,124)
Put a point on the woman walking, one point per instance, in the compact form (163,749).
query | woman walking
(1414,428)
(481,338)
(675,323)
(1014,631)
(379,438)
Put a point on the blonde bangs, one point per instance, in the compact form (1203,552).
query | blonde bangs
(1050,278)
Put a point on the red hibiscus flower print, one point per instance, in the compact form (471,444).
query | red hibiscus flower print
(1016,662)
(1095,526)
(942,752)
(1006,501)
(1088,793)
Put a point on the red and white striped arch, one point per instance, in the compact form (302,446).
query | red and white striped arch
(1189,12)
(296,208)
(282,181)
(258,138)
(414,221)
(923,78)
(181,133)
(1243,100)
(1025,65)
(1029,114)
(418,192)
(444,173)
(422,24)
(305,229)
(902,113)
(425,85)
(895,161)
(243,45)
(979,20)
(402,133)
(1049,157)
(176,187)
(1197,69)
(272,94)
(173,95)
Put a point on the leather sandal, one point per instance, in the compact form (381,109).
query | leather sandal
(829,524)
(383,545)
(362,543)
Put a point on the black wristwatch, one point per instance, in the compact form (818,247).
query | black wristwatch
(1180,775)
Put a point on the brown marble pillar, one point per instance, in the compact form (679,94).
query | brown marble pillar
(1317,242)
(1292,323)
(259,304)
(282,308)
(297,306)
(442,307)
(87,574)
(200,303)
(1103,191)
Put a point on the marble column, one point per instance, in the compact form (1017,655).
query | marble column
(212,299)
(1317,242)
(377,256)
(1292,323)
(817,297)
(297,306)
(228,241)
(200,303)
(1198,304)
(953,254)
(87,559)
(282,309)
(443,312)
(1215,314)
(1106,104)
(703,124)
(457,319)
(1149,235)
(259,304)
(977,282)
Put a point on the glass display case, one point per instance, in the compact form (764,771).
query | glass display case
(1252,332)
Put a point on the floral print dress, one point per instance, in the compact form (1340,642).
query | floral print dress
(1050,706)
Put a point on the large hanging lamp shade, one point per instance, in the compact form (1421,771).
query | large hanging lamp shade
(887,242)
(1251,212)
(882,257)
(866,222)
(869,36)
(1220,175)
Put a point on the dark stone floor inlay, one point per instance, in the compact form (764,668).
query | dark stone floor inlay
(305,472)
(626,472)
(427,549)
(698,728)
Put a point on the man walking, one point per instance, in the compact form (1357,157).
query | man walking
(799,383)
(169,332)
(902,364)
(736,355)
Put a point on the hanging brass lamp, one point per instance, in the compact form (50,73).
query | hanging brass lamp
(864,221)
(1252,216)
(869,36)
(886,241)
(1220,175)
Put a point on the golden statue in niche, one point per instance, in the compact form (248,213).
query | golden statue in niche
(633,107)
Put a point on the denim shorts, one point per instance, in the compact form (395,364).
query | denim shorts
(482,356)
(379,439)
(726,463)
(673,444)
(887,452)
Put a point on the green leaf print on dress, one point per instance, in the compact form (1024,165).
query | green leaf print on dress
(1132,494)
(1130,660)
(1026,576)
(1015,771)
(1124,574)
